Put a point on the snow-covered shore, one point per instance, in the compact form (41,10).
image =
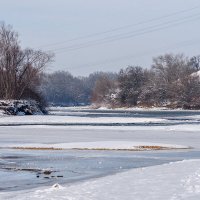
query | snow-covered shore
(20,107)
(173,181)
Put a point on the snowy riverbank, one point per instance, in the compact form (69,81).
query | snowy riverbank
(20,107)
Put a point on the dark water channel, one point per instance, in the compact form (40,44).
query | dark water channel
(172,117)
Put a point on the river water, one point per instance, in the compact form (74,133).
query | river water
(25,169)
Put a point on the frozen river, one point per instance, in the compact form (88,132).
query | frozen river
(24,169)
(21,170)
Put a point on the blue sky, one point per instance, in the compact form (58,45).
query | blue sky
(42,24)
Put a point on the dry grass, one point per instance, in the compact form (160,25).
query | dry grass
(154,148)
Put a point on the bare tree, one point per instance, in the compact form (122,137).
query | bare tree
(19,69)
(170,70)
(103,89)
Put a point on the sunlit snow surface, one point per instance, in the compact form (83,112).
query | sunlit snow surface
(82,171)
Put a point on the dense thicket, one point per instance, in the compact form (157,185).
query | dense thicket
(20,69)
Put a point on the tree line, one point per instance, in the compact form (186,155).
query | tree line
(173,80)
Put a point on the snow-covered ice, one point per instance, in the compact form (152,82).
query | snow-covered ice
(100,145)
(179,180)
(62,120)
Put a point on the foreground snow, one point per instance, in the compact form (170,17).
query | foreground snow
(174,181)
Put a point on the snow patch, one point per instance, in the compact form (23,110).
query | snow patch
(64,120)
(101,145)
